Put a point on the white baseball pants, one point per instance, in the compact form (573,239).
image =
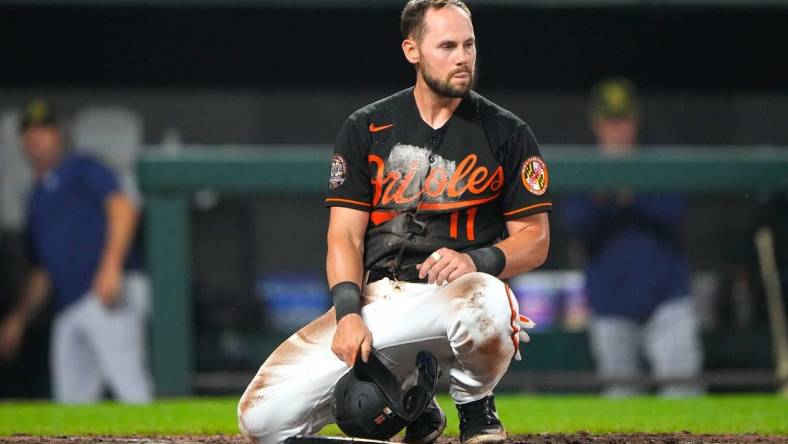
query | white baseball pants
(471,325)
(669,340)
(94,346)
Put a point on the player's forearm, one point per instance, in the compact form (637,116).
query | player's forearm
(345,266)
(34,294)
(344,261)
(121,223)
(344,270)
(526,249)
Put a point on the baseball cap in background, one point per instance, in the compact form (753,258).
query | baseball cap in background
(38,113)
(614,98)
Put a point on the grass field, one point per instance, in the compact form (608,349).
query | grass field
(762,414)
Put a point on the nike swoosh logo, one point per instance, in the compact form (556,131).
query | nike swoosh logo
(375,129)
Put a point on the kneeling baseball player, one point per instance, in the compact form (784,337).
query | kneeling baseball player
(435,195)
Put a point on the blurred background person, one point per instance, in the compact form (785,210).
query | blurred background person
(637,275)
(80,228)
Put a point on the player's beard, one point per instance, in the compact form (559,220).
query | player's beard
(445,88)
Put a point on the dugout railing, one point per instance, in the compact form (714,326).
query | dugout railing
(169,179)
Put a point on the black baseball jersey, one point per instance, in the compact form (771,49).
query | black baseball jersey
(428,188)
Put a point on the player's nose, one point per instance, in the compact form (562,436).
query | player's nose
(462,57)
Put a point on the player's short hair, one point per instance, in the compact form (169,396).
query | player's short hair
(412,18)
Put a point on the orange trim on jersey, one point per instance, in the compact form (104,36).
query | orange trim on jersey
(356,202)
(379,217)
(469,223)
(454,205)
(544,204)
(453,224)
(515,325)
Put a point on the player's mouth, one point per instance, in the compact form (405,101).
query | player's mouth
(460,74)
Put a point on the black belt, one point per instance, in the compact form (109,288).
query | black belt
(410,274)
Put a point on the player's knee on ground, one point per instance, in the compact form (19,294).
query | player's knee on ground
(251,422)
(269,421)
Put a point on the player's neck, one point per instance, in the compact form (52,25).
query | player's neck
(435,110)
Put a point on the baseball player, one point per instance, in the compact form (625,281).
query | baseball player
(435,195)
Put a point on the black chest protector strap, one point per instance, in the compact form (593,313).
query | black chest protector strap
(414,226)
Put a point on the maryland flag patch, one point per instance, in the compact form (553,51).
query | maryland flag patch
(534,175)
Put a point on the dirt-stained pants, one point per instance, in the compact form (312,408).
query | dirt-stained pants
(470,325)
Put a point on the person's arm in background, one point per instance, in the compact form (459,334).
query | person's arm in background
(102,186)
(34,295)
(344,266)
(578,216)
(122,218)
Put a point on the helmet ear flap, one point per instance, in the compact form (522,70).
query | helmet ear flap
(418,396)
(414,398)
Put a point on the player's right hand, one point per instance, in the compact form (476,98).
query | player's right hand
(352,336)
(445,265)
(11,331)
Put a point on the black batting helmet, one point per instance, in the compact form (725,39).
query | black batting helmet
(369,401)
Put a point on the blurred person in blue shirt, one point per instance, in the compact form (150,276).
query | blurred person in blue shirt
(80,230)
(637,275)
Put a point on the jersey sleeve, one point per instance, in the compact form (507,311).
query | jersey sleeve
(349,178)
(99,181)
(527,178)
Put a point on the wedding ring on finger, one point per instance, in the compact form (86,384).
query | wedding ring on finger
(435,255)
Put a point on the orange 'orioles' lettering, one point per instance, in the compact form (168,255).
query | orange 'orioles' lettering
(392,187)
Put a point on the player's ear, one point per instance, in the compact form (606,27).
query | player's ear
(411,50)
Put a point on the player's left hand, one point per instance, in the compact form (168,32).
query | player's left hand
(352,339)
(106,284)
(445,265)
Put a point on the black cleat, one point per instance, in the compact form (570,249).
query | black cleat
(479,423)
(428,427)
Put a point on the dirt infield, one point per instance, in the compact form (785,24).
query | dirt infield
(547,438)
